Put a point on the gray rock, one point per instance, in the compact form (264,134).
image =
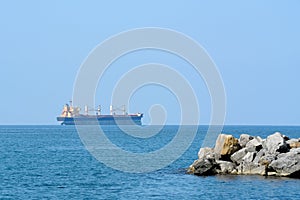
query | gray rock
(287,164)
(259,170)
(238,156)
(276,143)
(244,139)
(243,168)
(239,169)
(267,158)
(295,151)
(259,155)
(203,167)
(254,145)
(249,157)
(251,169)
(226,167)
(206,152)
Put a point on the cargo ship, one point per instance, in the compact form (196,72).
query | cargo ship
(71,115)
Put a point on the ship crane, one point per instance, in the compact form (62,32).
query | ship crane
(87,109)
(121,108)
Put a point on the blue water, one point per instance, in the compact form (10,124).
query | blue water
(50,162)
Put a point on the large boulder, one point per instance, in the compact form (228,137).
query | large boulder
(239,155)
(206,152)
(226,167)
(254,145)
(249,157)
(206,164)
(266,159)
(225,146)
(244,139)
(251,169)
(259,156)
(287,164)
(276,143)
(203,167)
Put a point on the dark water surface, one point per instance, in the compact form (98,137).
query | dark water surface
(50,162)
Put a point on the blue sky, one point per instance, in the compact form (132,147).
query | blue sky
(255,45)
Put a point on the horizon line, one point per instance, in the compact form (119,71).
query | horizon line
(165,125)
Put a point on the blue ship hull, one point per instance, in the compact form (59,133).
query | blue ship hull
(102,120)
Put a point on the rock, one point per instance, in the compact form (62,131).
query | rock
(287,164)
(206,152)
(244,139)
(191,168)
(267,159)
(226,167)
(225,146)
(249,157)
(254,145)
(275,156)
(248,167)
(259,170)
(203,167)
(276,143)
(293,143)
(237,156)
(251,169)
(259,155)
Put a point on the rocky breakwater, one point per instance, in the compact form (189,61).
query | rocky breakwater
(277,155)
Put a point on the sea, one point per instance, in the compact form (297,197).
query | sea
(52,162)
